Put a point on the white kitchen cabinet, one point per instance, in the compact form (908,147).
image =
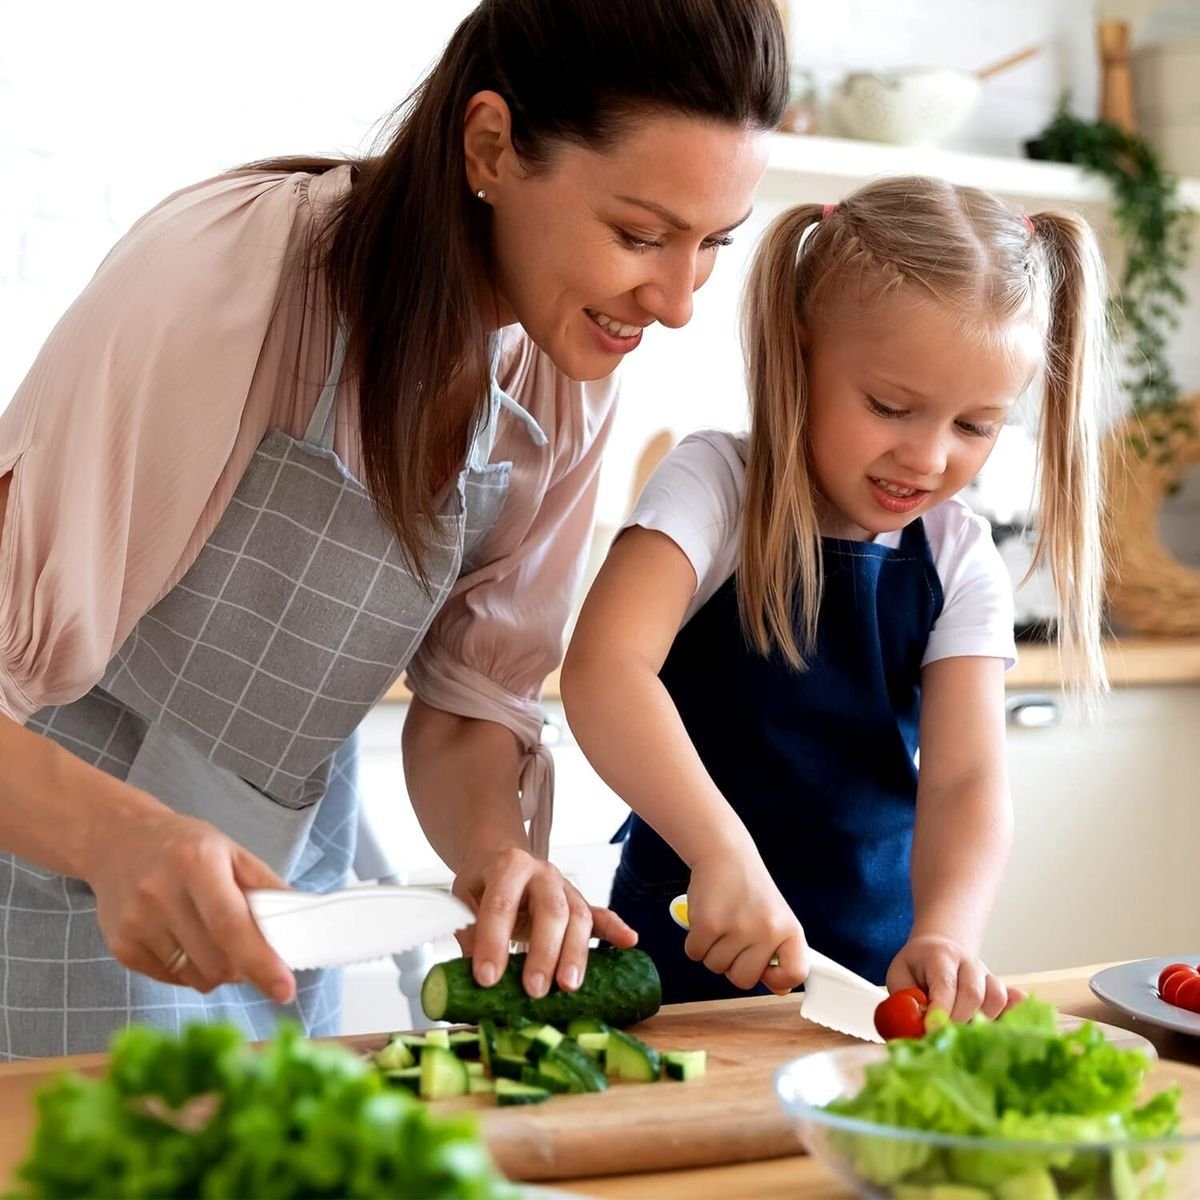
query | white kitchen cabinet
(1107,822)
(586,812)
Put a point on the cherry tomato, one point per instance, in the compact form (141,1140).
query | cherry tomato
(1187,995)
(1174,983)
(1170,970)
(902,1014)
(1178,973)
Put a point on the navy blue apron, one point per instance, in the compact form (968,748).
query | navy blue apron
(819,764)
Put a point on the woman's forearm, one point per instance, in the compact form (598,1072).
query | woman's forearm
(56,809)
(630,730)
(960,848)
(463,776)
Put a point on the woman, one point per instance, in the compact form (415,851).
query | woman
(198,598)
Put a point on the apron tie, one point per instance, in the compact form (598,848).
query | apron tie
(442,681)
(537,796)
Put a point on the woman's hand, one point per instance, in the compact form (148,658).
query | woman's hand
(740,921)
(517,897)
(953,978)
(167,883)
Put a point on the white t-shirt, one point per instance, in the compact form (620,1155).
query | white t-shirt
(695,497)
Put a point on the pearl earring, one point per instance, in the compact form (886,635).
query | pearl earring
(481,194)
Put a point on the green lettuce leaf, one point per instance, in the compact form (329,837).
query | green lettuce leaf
(1015,1079)
(204,1115)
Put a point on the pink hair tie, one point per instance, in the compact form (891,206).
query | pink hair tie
(1029,224)
(826,209)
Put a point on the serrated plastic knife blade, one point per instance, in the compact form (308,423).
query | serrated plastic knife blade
(331,929)
(834,996)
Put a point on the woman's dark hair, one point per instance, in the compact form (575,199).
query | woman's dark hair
(407,250)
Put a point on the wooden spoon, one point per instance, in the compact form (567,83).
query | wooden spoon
(1007,63)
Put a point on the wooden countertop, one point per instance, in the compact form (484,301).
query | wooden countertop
(1132,662)
(795,1177)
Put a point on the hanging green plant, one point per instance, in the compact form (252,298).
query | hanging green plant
(1155,225)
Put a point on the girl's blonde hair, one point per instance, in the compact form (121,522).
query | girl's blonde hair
(987,266)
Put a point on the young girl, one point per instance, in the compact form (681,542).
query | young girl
(788,617)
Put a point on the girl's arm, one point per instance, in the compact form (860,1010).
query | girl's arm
(629,729)
(962,836)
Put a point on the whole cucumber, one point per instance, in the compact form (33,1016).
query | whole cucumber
(620,987)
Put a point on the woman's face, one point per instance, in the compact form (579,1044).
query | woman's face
(596,246)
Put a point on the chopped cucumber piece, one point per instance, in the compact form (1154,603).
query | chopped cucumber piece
(408,1077)
(511,1043)
(474,1069)
(442,1074)
(570,1059)
(465,1043)
(438,1037)
(395,1056)
(629,1058)
(508,1066)
(552,1078)
(542,1039)
(580,1025)
(509,1091)
(684,1064)
(477,1085)
(487,1044)
(593,1044)
(413,1041)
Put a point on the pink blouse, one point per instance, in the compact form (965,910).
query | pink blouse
(132,430)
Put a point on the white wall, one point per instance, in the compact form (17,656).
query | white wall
(104,109)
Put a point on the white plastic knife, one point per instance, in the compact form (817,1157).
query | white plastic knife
(834,996)
(330,929)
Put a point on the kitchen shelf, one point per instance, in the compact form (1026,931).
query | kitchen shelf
(810,167)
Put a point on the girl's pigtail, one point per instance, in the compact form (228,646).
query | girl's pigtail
(779,569)
(1078,368)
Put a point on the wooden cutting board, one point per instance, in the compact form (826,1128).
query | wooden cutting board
(729,1116)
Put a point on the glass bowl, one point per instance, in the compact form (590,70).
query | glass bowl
(889,1161)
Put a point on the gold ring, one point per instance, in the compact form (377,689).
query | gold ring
(177,962)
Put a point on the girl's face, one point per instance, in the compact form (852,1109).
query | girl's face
(904,406)
(592,249)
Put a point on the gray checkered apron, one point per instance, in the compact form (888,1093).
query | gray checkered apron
(235,699)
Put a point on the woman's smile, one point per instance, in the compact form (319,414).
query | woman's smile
(617,337)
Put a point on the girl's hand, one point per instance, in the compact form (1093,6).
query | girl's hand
(167,883)
(953,978)
(517,897)
(739,921)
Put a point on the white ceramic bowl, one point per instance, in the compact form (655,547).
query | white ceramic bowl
(917,107)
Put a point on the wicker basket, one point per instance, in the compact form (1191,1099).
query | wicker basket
(1149,590)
